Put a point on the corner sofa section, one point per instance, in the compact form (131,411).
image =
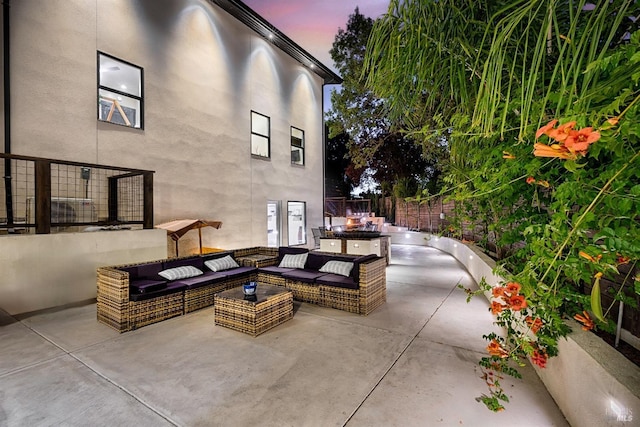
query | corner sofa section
(361,292)
(136,295)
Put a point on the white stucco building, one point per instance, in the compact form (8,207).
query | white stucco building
(209,71)
(224,108)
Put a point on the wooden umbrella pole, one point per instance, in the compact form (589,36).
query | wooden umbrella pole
(200,238)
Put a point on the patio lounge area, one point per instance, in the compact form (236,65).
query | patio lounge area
(411,362)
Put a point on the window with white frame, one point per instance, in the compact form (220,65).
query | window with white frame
(297,146)
(120,92)
(260,135)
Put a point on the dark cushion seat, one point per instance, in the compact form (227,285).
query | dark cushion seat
(141,286)
(275,270)
(315,261)
(306,275)
(170,289)
(337,281)
(239,271)
(149,271)
(202,280)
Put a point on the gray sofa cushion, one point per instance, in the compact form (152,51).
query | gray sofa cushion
(182,272)
(337,267)
(196,262)
(221,264)
(284,250)
(215,255)
(294,261)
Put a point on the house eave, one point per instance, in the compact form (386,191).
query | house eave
(251,19)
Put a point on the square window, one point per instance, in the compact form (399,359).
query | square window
(260,135)
(120,92)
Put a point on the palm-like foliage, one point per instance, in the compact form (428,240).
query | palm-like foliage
(524,63)
(539,49)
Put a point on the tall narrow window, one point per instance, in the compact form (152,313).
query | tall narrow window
(297,223)
(260,135)
(273,224)
(297,146)
(120,92)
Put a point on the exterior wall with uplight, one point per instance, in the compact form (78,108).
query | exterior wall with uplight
(204,72)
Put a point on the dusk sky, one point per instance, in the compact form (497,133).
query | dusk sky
(313,24)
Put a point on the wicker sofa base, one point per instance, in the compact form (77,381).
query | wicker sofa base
(115,310)
(304,292)
(143,313)
(340,298)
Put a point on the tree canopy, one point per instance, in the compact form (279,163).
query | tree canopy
(374,143)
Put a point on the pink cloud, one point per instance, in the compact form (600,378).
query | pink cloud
(313,24)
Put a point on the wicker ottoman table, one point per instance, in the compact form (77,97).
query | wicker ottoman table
(273,306)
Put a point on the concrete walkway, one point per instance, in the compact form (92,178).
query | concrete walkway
(413,362)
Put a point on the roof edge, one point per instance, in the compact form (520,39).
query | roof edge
(251,19)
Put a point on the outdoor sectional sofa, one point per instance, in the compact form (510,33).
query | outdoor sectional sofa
(135,295)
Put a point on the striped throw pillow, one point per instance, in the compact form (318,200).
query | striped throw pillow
(221,264)
(342,268)
(294,261)
(180,272)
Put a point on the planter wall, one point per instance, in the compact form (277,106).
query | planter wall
(42,271)
(592,384)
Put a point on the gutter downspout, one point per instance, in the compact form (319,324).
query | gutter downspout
(7,114)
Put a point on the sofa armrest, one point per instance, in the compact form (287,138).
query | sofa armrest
(256,257)
(113,284)
(372,272)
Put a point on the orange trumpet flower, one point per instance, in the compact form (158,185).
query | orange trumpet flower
(513,288)
(495,349)
(542,150)
(585,320)
(579,141)
(562,132)
(546,128)
(517,303)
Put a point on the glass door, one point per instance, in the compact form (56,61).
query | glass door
(296,221)
(273,224)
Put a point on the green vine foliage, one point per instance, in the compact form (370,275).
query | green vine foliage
(566,222)
(561,221)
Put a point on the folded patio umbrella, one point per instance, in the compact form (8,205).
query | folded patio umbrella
(179,227)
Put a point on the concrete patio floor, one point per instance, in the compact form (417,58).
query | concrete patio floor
(412,362)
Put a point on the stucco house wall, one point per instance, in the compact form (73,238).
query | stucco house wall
(204,72)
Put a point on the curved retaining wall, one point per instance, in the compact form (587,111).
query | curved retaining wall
(592,383)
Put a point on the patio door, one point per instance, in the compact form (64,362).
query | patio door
(273,224)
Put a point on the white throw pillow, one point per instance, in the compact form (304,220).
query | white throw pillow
(180,272)
(220,264)
(342,268)
(294,261)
